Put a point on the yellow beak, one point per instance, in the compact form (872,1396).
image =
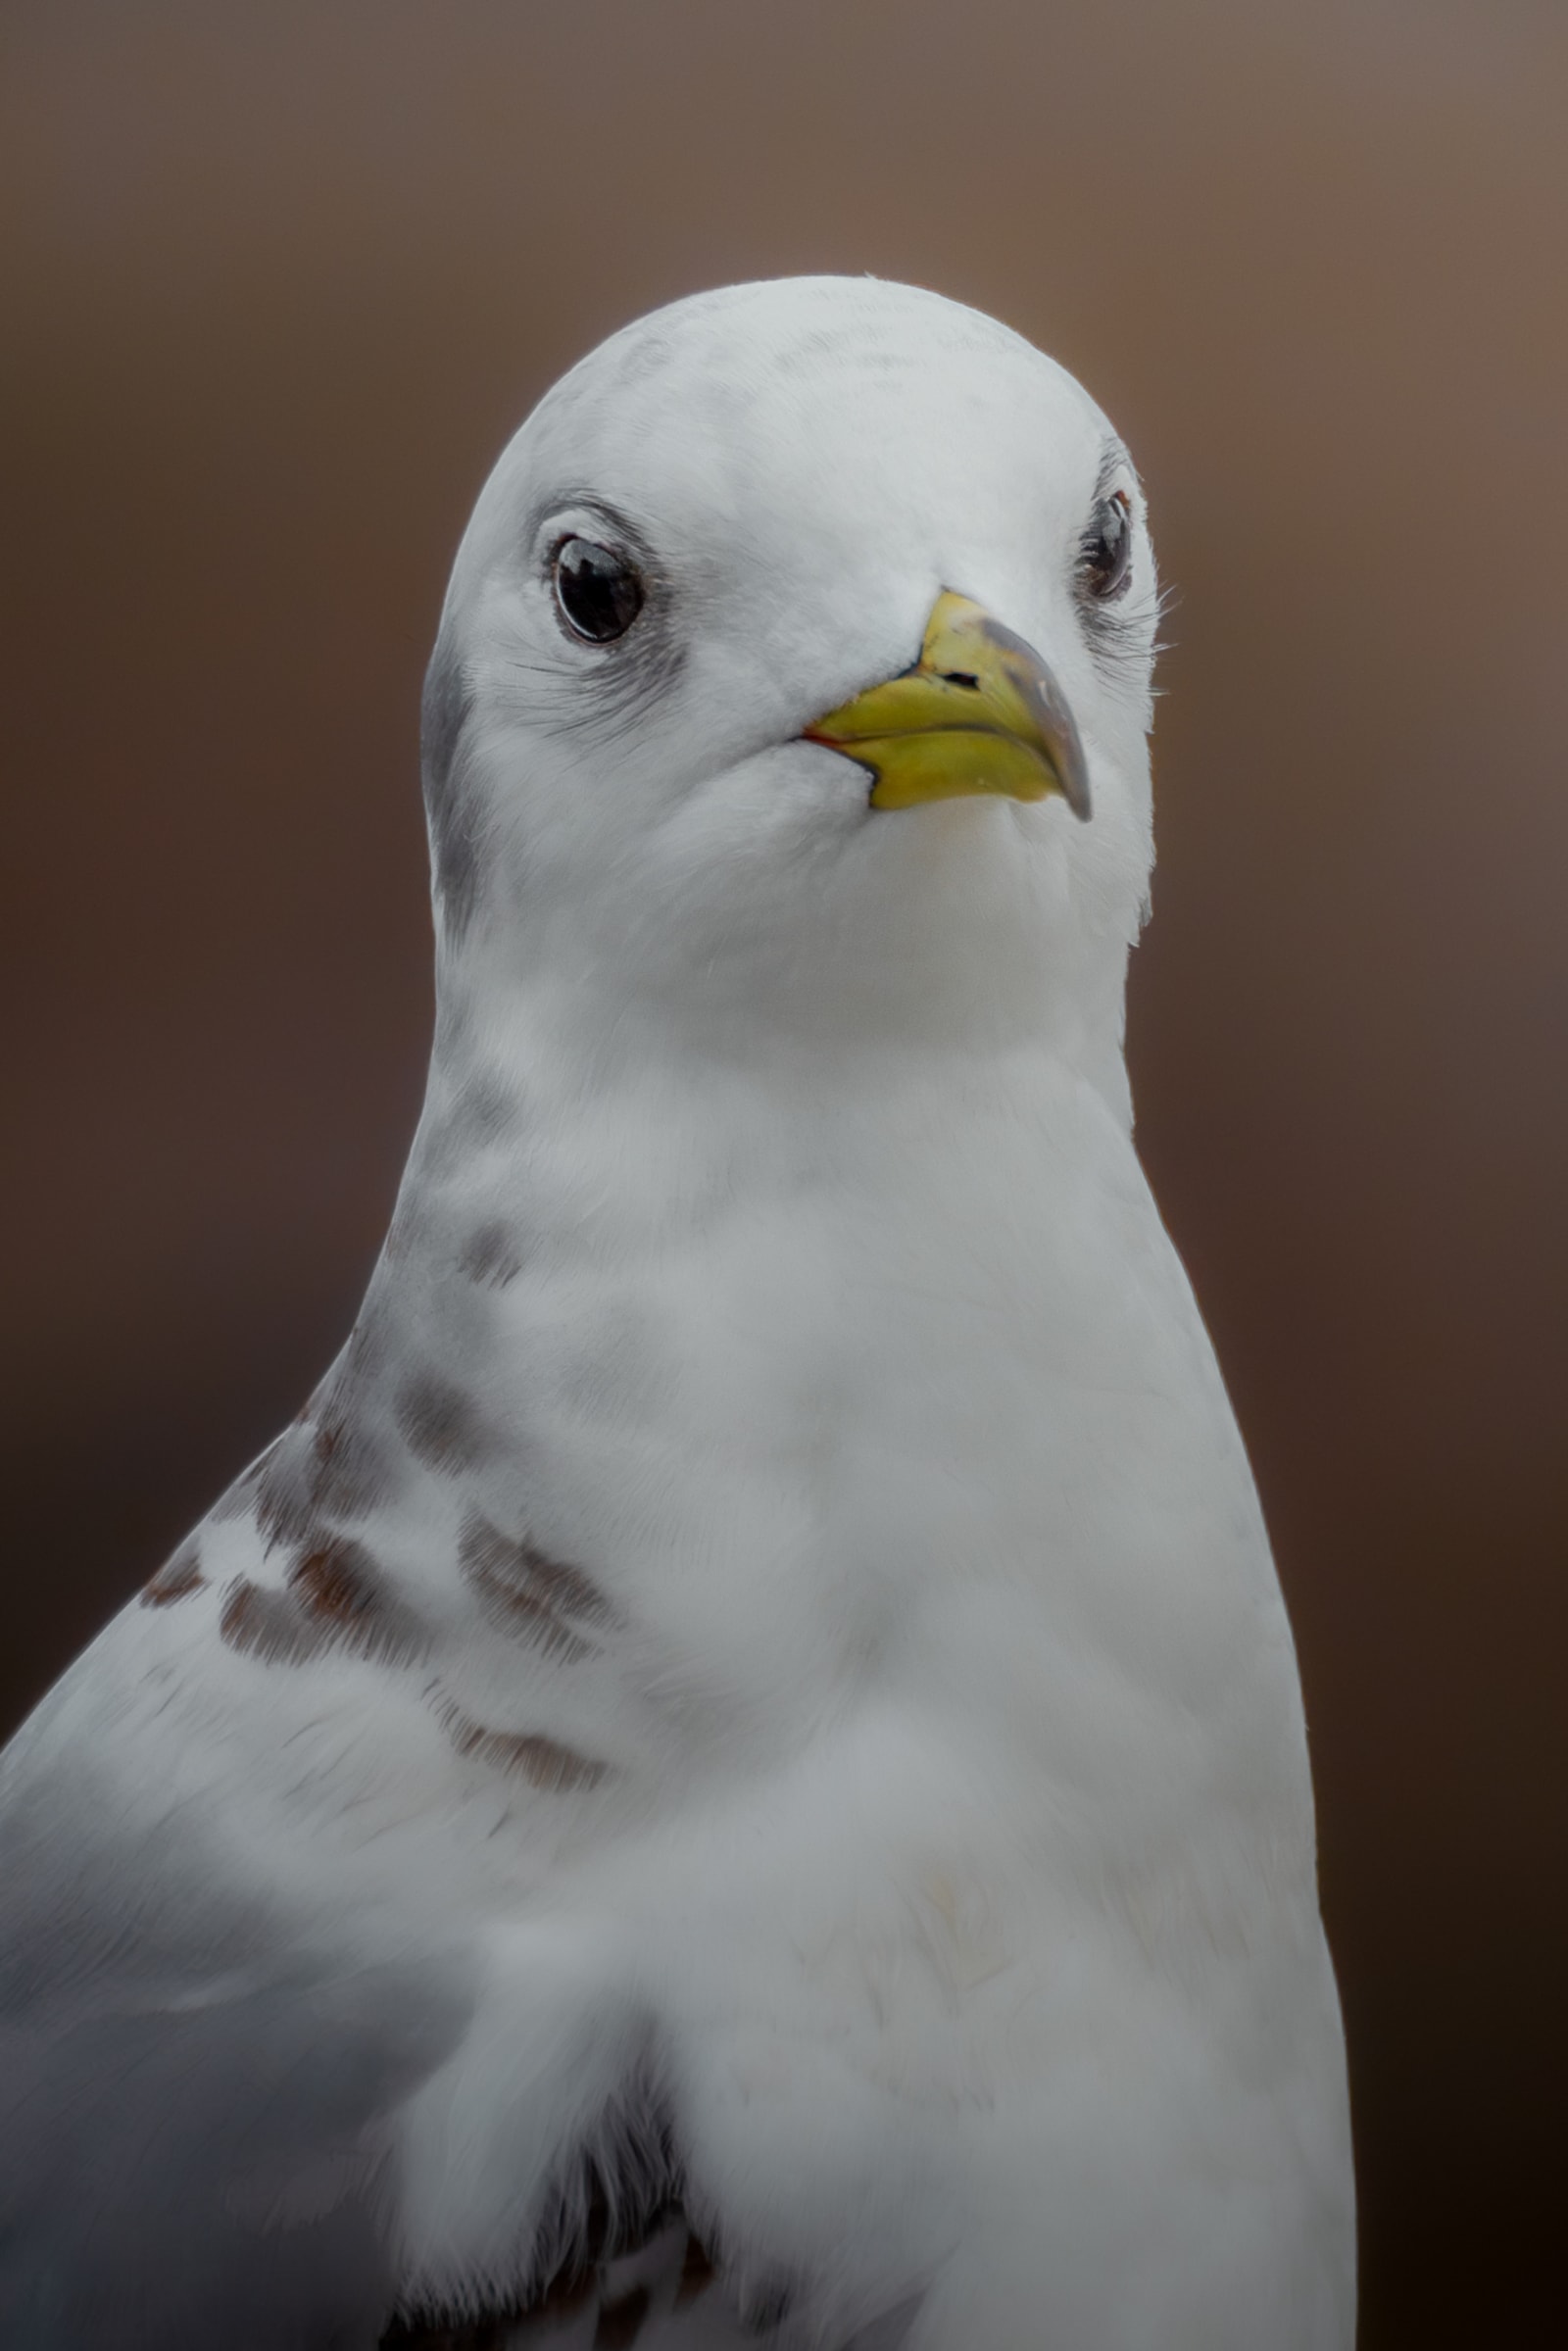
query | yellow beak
(979,711)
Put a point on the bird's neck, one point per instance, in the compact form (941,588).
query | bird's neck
(688,1410)
(616,1269)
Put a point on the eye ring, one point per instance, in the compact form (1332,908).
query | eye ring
(598,591)
(1105,550)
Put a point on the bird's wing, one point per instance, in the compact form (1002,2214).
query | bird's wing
(194,2116)
(199,2118)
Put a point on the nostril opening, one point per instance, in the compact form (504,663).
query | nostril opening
(961,677)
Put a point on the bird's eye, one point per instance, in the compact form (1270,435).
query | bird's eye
(1105,550)
(598,591)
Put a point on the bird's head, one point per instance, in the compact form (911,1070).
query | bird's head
(795,677)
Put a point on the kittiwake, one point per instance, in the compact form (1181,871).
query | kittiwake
(738,1774)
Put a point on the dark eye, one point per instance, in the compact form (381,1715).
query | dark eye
(1105,550)
(599,592)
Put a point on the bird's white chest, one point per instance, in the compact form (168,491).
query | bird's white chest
(950,1826)
(957,1688)
(883,1409)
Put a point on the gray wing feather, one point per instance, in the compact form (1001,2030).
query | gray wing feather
(195,2119)
(193,2112)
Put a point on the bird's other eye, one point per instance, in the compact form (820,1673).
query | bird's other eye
(1105,550)
(598,591)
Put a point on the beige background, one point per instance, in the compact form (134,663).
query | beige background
(277,280)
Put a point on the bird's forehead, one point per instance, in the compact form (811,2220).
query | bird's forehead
(842,403)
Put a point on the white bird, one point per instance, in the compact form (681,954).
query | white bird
(739,1773)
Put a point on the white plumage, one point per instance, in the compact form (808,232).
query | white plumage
(757,1687)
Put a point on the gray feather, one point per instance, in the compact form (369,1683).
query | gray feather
(193,2153)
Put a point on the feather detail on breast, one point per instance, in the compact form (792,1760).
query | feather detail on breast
(663,2295)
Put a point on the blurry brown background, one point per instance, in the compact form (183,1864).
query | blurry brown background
(277,280)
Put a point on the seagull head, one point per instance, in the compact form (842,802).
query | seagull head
(795,676)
